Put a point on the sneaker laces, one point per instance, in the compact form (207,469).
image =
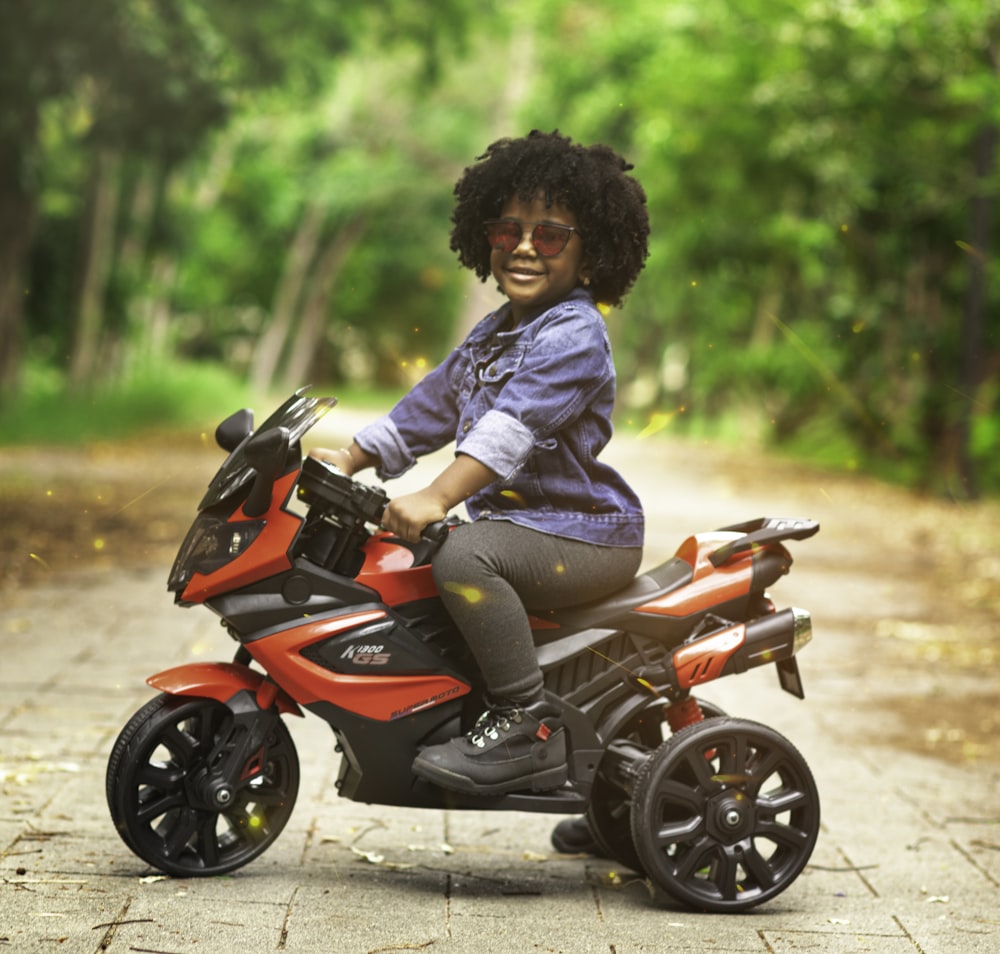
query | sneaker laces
(490,724)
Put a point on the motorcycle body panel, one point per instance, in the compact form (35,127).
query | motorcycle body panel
(351,661)
(222,681)
(267,554)
(388,569)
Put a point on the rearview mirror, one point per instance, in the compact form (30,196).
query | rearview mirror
(234,430)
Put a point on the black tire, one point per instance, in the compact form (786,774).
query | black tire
(609,812)
(725,815)
(150,794)
(710,710)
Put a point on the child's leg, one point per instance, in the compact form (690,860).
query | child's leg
(487,572)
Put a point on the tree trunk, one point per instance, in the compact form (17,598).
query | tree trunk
(132,263)
(98,258)
(151,305)
(974,319)
(17,215)
(317,305)
(143,205)
(17,219)
(273,342)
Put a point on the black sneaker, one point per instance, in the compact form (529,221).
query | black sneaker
(508,750)
(572,836)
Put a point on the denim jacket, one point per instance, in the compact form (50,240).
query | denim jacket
(533,403)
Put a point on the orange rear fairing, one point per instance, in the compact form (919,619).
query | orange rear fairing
(710,586)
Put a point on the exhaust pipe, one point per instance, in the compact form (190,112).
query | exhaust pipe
(769,639)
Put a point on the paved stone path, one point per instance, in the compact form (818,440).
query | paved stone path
(908,860)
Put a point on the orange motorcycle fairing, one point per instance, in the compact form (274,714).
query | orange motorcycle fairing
(379,697)
(705,659)
(710,585)
(221,681)
(267,555)
(388,569)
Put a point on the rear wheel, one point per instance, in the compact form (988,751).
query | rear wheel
(155,798)
(725,815)
(608,814)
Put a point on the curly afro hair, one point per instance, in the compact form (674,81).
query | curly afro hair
(591,181)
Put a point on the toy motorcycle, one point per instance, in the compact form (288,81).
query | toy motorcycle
(343,620)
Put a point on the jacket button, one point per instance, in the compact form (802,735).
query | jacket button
(466,427)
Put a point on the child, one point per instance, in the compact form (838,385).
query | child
(527,398)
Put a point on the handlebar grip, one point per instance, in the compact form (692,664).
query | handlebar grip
(436,532)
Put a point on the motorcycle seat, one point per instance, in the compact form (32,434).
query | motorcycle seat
(611,610)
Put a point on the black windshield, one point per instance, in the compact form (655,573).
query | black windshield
(298,414)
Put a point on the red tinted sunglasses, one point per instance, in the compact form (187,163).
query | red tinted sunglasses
(548,239)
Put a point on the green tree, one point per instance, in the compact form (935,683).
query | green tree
(147,80)
(142,76)
(329,237)
(815,173)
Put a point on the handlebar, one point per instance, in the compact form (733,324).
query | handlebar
(436,532)
(364,503)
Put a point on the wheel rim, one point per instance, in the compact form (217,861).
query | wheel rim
(725,815)
(167,821)
(609,811)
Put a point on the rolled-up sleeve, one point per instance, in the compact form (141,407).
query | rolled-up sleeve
(382,438)
(499,441)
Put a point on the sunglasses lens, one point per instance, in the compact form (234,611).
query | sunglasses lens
(504,236)
(549,239)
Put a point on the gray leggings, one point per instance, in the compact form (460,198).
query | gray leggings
(487,573)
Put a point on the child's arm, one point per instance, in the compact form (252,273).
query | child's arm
(407,516)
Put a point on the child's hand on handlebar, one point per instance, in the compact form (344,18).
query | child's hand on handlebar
(407,516)
(348,460)
(341,459)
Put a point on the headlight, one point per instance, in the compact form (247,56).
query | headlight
(211,543)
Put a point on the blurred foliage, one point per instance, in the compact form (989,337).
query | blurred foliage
(823,183)
(267,187)
(160,401)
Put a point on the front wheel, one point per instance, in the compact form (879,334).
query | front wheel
(153,792)
(725,815)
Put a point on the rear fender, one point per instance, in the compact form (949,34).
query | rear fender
(221,681)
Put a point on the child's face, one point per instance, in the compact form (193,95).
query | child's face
(529,280)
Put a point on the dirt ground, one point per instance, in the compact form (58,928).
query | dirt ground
(102,508)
